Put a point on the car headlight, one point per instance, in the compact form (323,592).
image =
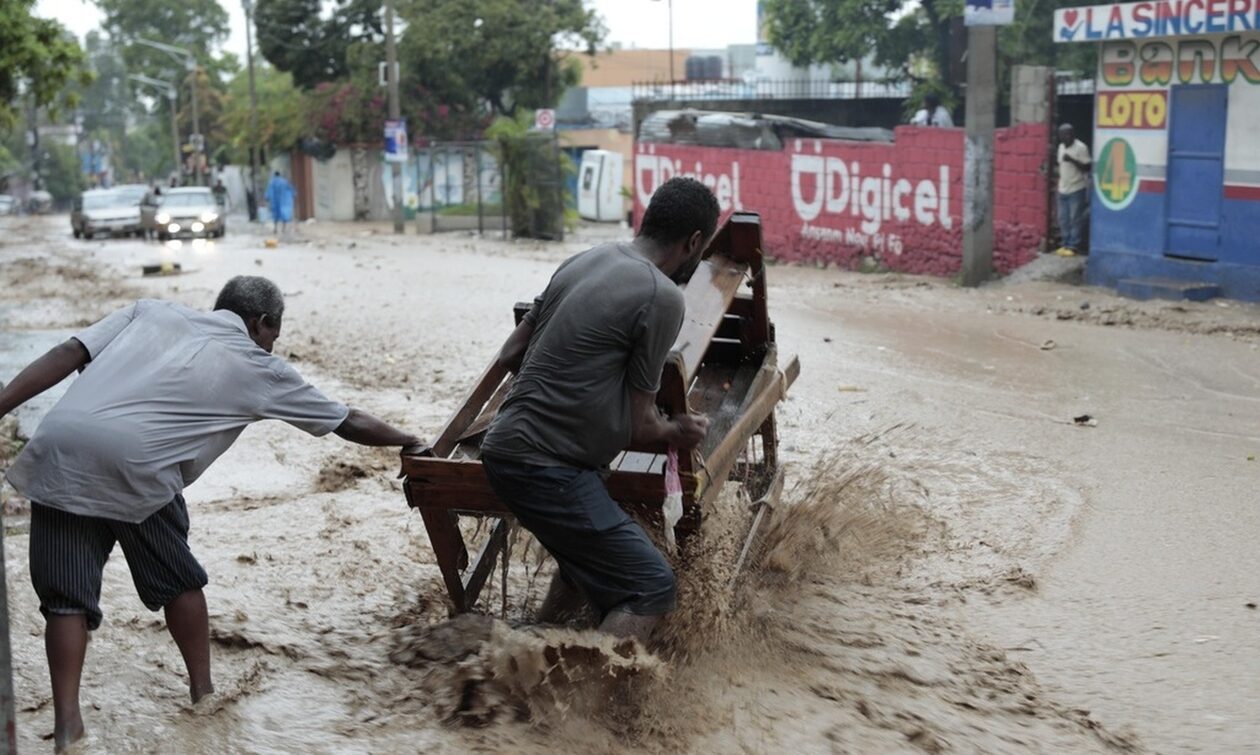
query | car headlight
(209,217)
(163,218)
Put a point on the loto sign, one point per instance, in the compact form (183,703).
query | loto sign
(1133,109)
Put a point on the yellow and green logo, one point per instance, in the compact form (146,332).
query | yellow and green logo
(1115,174)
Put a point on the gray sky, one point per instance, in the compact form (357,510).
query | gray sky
(638,23)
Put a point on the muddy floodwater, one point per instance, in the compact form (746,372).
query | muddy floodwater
(956,564)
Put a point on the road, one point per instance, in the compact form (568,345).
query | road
(1005,581)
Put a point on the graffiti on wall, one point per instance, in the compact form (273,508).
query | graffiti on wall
(837,201)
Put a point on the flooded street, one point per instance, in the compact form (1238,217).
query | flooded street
(990,575)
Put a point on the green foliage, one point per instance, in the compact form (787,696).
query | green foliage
(195,25)
(826,31)
(501,53)
(59,166)
(838,31)
(296,37)
(36,56)
(533,176)
(147,151)
(282,112)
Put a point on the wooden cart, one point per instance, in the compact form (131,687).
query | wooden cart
(724,364)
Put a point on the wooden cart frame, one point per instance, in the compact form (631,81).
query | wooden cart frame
(724,364)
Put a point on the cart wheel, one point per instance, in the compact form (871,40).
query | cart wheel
(77,233)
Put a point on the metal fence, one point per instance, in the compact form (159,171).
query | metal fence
(460,187)
(465,186)
(799,89)
(787,89)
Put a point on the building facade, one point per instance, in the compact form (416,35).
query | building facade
(1176,171)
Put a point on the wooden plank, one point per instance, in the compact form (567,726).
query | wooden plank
(708,296)
(487,415)
(475,578)
(461,485)
(468,410)
(448,550)
(723,416)
(766,394)
(636,461)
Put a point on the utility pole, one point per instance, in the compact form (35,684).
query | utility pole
(198,140)
(978,157)
(253,101)
(391,66)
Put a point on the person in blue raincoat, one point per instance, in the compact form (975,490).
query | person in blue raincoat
(280,200)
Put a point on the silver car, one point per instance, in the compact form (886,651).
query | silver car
(105,211)
(188,211)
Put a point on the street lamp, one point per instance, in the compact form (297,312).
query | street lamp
(171,92)
(248,5)
(190,63)
(671,45)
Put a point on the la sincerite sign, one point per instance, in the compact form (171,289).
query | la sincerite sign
(1157,18)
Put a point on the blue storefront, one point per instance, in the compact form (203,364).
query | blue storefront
(1175,206)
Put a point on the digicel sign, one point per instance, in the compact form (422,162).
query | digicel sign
(1133,109)
(836,201)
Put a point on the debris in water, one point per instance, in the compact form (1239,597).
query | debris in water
(1048,344)
(1085,420)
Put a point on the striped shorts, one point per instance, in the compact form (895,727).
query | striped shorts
(69,551)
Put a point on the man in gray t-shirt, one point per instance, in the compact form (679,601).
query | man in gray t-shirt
(588,358)
(164,391)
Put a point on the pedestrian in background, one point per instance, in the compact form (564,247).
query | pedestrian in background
(280,200)
(932,114)
(1074,164)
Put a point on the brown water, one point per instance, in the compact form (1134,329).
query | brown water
(955,565)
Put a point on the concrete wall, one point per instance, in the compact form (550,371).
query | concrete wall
(333,188)
(1030,94)
(838,201)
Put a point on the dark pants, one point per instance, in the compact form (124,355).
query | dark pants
(69,551)
(1072,218)
(599,548)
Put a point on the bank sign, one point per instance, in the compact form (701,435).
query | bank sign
(835,201)
(1158,18)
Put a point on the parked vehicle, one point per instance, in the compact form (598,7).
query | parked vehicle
(8,205)
(187,211)
(105,211)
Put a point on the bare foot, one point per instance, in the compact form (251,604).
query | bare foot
(66,736)
(197,694)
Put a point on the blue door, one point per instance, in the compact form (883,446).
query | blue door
(1196,170)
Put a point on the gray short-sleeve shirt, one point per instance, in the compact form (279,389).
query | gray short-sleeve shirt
(603,326)
(167,391)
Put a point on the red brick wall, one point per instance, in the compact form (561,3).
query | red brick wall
(837,201)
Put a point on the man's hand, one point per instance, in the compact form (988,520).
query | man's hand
(690,430)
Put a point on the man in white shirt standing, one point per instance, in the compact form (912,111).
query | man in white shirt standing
(164,391)
(1074,164)
(932,114)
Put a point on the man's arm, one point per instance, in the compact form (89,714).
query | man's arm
(43,373)
(513,351)
(649,426)
(366,430)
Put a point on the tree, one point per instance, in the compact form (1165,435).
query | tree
(198,26)
(838,31)
(37,56)
(502,53)
(295,37)
(282,110)
(827,31)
